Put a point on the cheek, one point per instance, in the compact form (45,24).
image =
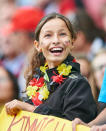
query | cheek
(44,42)
(67,43)
(43,45)
(44,48)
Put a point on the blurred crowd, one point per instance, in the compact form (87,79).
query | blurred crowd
(18,20)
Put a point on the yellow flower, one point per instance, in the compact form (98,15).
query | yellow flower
(63,69)
(43,68)
(31,90)
(44,92)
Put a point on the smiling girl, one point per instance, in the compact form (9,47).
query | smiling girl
(54,83)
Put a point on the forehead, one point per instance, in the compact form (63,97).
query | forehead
(54,24)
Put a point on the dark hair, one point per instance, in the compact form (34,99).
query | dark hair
(37,59)
(15,87)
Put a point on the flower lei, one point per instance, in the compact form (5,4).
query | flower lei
(37,90)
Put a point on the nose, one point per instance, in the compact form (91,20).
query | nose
(55,39)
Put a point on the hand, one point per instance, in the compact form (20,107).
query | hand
(13,107)
(98,128)
(77,121)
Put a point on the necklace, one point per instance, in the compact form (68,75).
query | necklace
(38,91)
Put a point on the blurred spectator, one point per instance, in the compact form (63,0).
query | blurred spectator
(6,11)
(7,1)
(93,8)
(18,38)
(98,65)
(25,2)
(86,70)
(79,3)
(102,95)
(103,15)
(9,89)
(89,38)
(59,6)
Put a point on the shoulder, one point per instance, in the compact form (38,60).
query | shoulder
(77,77)
(77,82)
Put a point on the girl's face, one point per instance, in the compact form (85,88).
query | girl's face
(55,41)
(6,87)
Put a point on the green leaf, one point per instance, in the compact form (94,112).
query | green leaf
(46,77)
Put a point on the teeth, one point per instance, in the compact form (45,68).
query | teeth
(55,49)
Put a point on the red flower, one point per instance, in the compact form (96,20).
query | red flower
(58,78)
(36,100)
(74,60)
(35,82)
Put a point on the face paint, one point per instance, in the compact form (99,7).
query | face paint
(67,42)
(55,41)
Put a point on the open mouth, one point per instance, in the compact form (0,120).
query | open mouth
(56,50)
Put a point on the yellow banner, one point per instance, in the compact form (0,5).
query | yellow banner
(26,121)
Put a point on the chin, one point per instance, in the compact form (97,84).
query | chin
(57,60)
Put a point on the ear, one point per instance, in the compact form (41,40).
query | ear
(72,41)
(37,45)
(72,44)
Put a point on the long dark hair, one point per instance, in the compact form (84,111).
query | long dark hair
(15,86)
(37,59)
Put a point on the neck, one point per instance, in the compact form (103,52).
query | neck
(53,65)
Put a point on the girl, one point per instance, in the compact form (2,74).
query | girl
(54,83)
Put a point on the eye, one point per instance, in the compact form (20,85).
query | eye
(47,35)
(62,34)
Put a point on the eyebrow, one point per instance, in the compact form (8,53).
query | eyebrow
(48,31)
(61,30)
